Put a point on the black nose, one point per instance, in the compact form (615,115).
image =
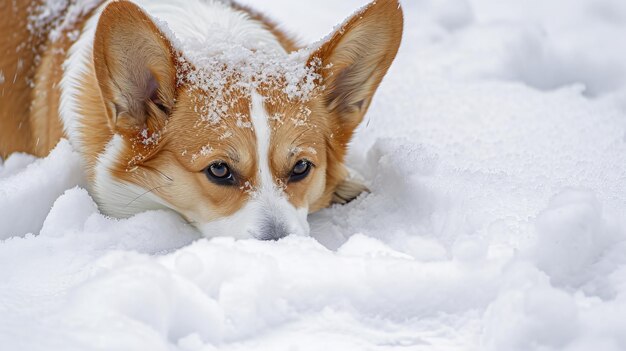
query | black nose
(272,229)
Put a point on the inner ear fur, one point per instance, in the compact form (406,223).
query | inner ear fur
(135,69)
(356,58)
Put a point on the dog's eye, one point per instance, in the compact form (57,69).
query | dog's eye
(220,173)
(300,170)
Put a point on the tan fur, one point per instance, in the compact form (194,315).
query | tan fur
(131,58)
(130,52)
(19,50)
(354,61)
(180,158)
(298,132)
(172,168)
(31,66)
(347,190)
(46,127)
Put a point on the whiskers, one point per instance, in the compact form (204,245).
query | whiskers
(146,193)
(167,183)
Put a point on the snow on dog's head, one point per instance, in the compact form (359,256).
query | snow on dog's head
(241,142)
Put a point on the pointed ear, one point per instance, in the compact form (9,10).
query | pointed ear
(356,58)
(135,69)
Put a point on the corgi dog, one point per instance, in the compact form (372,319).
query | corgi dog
(203,107)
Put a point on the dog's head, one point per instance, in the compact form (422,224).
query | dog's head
(243,143)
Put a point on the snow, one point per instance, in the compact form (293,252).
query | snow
(212,76)
(48,15)
(495,152)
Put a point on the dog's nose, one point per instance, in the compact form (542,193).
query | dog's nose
(273,229)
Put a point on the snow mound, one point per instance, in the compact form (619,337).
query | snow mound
(496,161)
(28,188)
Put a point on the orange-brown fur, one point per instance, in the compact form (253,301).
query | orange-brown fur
(30,96)
(353,63)
(19,51)
(171,168)
(351,86)
(31,67)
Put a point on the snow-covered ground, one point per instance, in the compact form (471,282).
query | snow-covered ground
(496,155)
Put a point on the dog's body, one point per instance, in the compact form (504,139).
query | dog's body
(198,106)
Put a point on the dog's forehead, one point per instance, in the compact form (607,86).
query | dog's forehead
(222,80)
(222,91)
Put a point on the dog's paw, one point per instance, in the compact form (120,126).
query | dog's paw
(348,190)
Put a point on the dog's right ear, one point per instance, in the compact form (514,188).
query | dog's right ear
(134,65)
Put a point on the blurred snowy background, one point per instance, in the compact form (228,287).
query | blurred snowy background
(496,154)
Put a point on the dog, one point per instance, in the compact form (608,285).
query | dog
(203,107)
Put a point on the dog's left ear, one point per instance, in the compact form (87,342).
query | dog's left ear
(135,69)
(355,59)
